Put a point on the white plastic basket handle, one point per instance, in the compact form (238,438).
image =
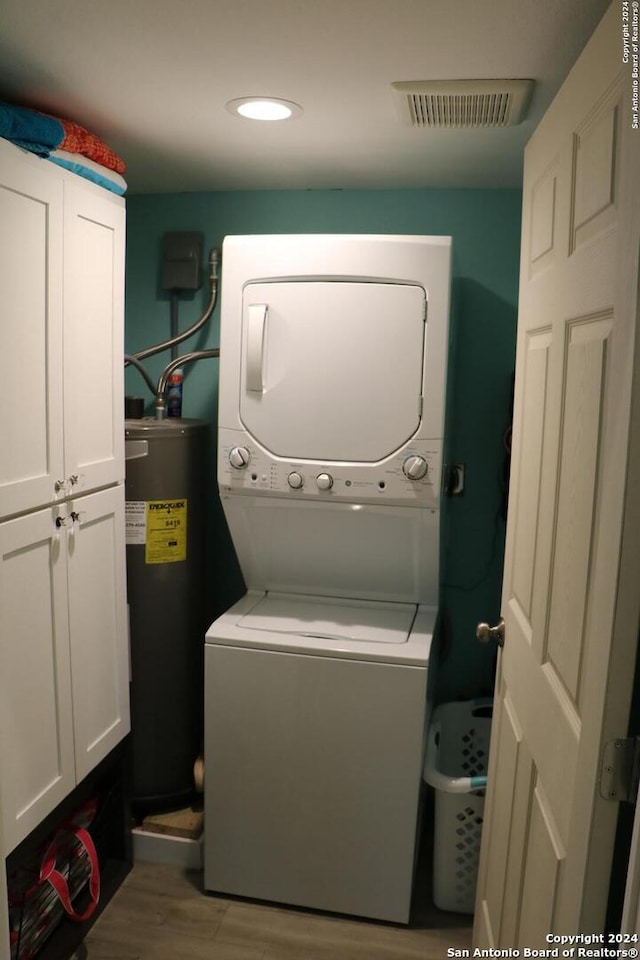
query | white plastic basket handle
(438,780)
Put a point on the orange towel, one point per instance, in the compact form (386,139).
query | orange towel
(79,140)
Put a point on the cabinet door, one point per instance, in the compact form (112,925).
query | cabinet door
(93,336)
(30,331)
(98,626)
(36,729)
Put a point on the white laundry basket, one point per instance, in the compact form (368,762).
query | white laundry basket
(456,766)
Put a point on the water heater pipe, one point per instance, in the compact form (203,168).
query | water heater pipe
(136,363)
(214,260)
(161,405)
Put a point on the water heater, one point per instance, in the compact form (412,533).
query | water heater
(165,547)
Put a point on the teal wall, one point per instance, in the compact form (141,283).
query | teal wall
(485,226)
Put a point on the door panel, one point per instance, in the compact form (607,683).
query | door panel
(97,617)
(36,731)
(543,858)
(509,737)
(94,332)
(584,388)
(535,373)
(31,284)
(323,362)
(520,794)
(595,185)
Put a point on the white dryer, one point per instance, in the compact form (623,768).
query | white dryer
(331,413)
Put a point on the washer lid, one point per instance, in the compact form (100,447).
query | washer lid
(327,618)
(231,630)
(332,370)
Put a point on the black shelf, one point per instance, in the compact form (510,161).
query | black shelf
(112,836)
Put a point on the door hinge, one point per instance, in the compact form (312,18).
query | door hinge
(620,769)
(420,407)
(425,306)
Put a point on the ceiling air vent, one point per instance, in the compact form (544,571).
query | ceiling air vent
(462,103)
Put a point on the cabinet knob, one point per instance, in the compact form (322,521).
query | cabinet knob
(65,486)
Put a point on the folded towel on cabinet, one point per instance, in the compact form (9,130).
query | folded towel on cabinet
(41,133)
(90,170)
(29,129)
(79,140)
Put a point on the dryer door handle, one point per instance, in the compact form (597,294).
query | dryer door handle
(256,329)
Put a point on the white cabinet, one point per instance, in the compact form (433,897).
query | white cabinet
(97,617)
(93,302)
(61,276)
(31,270)
(36,722)
(63,633)
(63,660)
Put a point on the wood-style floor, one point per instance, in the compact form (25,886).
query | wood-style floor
(161,913)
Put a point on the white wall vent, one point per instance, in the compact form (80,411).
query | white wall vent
(462,103)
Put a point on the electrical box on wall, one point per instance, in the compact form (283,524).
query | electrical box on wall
(182,260)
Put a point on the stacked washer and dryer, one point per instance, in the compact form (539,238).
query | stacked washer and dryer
(331,415)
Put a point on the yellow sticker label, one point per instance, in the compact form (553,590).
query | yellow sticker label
(166,531)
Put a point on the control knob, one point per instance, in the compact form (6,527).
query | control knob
(239,457)
(295,480)
(415,468)
(324,481)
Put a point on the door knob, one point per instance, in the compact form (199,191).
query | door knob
(485,633)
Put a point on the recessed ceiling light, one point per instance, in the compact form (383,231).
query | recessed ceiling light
(264,108)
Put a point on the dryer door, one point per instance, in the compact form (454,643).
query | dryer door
(332,370)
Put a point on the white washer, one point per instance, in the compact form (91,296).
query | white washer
(333,360)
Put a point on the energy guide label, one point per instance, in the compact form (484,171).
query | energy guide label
(161,526)
(166,531)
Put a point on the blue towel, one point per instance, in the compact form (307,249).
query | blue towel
(30,130)
(116,185)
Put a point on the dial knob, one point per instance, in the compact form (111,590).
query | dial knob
(324,481)
(239,457)
(295,480)
(415,468)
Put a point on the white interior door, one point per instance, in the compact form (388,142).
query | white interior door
(570,608)
(332,371)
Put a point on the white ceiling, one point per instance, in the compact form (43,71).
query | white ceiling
(152,78)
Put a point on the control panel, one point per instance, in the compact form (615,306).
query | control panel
(413,475)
